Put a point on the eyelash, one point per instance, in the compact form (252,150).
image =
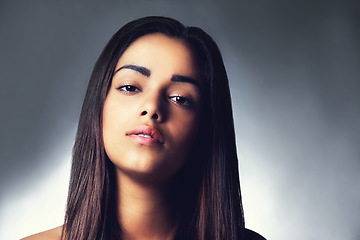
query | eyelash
(177,99)
(182,101)
(128,89)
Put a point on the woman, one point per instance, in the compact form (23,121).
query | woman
(155,154)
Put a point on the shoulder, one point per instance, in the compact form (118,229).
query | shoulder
(251,235)
(52,234)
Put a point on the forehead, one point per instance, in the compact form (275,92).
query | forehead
(160,51)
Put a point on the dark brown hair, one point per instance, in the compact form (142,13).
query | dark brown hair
(208,199)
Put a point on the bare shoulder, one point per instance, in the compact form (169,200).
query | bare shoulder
(251,235)
(52,234)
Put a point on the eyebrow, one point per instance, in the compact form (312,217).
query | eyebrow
(180,78)
(143,70)
(146,72)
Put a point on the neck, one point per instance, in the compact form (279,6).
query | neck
(144,210)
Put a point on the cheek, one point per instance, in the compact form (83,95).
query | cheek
(110,119)
(185,131)
(114,119)
(108,125)
(116,113)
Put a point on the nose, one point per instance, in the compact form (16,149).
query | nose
(152,108)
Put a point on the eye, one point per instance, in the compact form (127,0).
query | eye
(182,101)
(128,89)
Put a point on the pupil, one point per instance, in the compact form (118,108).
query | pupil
(180,99)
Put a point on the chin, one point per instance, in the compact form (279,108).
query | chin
(147,165)
(149,172)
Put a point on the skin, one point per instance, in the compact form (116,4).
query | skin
(144,171)
(132,94)
(52,234)
(166,97)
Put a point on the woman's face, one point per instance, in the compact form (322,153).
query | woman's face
(151,113)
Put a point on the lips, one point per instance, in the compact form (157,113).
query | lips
(146,135)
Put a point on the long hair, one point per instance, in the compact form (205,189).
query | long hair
(208,199)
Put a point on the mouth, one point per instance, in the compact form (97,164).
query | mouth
(146,135)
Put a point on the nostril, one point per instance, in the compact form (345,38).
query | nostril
(143,113)
(155,116)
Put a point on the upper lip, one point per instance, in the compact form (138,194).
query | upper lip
(146,130)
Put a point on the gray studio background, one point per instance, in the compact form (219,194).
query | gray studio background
(295,82)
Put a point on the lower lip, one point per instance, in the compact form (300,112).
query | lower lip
(144,140)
